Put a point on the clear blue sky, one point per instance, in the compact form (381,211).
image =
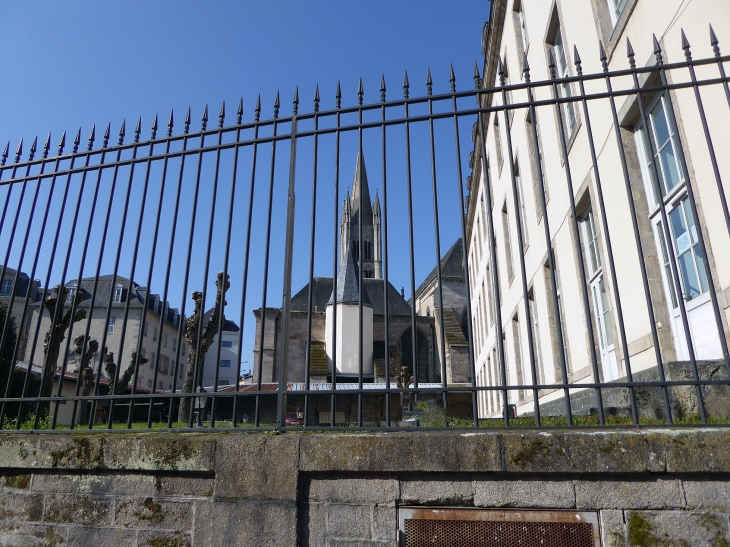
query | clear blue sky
(75,64)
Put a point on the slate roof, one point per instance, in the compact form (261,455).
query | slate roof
(348,286)
(452,265)
(452,326)
(228,326)
(322,291)
(360,185)
(21,284)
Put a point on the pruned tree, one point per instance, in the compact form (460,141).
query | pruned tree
(196,357)
(56,334)
(111,368)
(6,353)
(86,349)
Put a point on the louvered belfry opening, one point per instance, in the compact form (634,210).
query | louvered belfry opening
(448,527)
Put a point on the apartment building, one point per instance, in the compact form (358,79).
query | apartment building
(116,299)
(569,309)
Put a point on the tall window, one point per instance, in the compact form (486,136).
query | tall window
(561,65)
(70,294)
(521,200)
(667,191)
(507,243)
(6,286)
(615,7)
(600,302)
(174,344)
(225,363)
(111,324)
(536,337)
(519,372)
(498,142)
(522,28)
(154,333)
(152,359)
(164,339)
(537,164)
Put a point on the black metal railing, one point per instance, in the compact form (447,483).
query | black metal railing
(198,214)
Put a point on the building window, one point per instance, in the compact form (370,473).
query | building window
(164,339)
(367,250)
(174,344)
(498,142)
(367,274)
(145,329)
(225,363)
(536,337)
(70,294)
(507,243)
(556,322)
(152,359)
(616,7)
(523,215)
(180,372)
(117,296)
(223,382)
(110,325)
(149,384)
(564,89)
(154,334)
(157,304)
(6,286)
(537,164)
(517,342)
(227,344)
(523,40)
(600,302)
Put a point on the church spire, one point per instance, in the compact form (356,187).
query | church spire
(360,186)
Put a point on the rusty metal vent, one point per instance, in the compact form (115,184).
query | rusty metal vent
(421,527)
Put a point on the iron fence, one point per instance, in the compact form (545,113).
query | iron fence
(193,210)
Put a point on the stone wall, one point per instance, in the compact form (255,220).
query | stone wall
(648,487)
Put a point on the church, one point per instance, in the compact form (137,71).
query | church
(337,304)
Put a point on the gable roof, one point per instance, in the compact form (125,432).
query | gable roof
(452,265)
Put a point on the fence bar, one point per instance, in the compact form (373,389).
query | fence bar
(335,261)
(386,282)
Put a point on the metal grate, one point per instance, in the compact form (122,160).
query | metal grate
(475,528)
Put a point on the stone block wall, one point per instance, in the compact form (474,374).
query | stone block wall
(647,487)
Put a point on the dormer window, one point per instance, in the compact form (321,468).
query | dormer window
(157,304)
(70,294)
(117,297)
(6,286)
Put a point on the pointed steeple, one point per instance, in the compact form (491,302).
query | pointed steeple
(376,203)
(360,186)
(348,284)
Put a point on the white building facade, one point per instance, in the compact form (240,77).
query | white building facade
(559,312)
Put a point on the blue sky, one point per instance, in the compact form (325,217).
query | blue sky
(75,64)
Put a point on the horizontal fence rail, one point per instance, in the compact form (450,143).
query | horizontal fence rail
(439,300)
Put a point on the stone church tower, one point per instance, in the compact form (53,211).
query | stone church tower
(372,261)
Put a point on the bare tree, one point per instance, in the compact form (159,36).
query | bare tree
(86,370)
(56,334)
(196,358)
(111,368)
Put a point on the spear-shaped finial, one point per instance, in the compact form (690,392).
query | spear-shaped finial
(222,115)
(105,142)
(452,78)
(338,96)
(204,121)
(92,136)
(685,47)
(19,151)
(239,112)
(657,50)
(154,128)
(714,42)
(121,132)
(630,53)
(47,146)
(525,69)
(276,105)
(406,85)
(77,141)
(32,149)
(170,123)
(500,71)
(61,145)
(603,56)
(316,98)
(382,87)
(577,61)
(360,93)
(4,157)
(429,83)
(138,129)
(551,64)
(476,75)
(257,111)
(295,102)
(187,122)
